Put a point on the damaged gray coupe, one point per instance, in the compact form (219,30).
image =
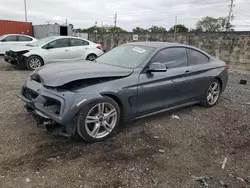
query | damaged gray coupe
(134,80)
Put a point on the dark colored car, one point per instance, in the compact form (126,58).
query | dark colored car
(129,82)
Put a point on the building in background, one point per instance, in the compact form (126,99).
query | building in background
(46,30)
(15,27)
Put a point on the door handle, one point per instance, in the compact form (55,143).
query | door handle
(67,50)
(187,71)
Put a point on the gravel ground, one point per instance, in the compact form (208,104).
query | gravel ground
(158,151)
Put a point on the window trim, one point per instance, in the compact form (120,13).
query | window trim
(45,46)
(78,39)
(25,40)
(199,52)
(10,36)
(144,70)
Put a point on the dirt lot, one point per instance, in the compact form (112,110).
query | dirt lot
(158,151)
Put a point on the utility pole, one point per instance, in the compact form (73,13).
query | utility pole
(230,14)
(25,10)
(115,19)
(175,28)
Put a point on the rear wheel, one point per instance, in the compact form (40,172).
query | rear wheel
(212,94)
(91,57)
(34,62)
(98,120)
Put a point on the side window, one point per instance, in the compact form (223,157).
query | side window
(60,43)
(10,38)
(23,38)
(196,58)
(78,42)
(172,57)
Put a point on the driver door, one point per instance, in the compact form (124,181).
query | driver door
(159,90)
(58,51)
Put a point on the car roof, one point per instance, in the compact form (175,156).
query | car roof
(158,44)
(60,37)
(18,35)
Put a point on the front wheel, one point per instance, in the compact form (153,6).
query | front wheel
(34,62)
(212,94)
(91,57)
(98,120)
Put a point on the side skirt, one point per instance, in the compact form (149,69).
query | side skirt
(168,109)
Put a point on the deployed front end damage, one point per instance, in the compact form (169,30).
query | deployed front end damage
(47,108)
(55,93)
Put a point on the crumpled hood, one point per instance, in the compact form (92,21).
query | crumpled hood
(23,48)
(58,74)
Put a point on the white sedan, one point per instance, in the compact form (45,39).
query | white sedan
(53,49)
(9,41)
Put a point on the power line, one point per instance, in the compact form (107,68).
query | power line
(230,14)
(25,10)
(115,21)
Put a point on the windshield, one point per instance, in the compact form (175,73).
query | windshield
(42,42)
(1,37)
(128,56)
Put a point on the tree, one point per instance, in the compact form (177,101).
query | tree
(156,29)
(114,29)
(139,30)
(210,24)
(179,28)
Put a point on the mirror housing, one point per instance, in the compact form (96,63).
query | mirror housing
(3,40)
(156,67)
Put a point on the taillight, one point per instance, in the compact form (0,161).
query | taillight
(99,47)
(227,67)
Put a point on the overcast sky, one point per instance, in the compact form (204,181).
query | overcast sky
(131,13)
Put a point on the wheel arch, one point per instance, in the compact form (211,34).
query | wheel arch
(118,101)
(219,79)
(35,56)
(92,53)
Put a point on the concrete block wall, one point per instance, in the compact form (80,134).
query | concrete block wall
(233,47)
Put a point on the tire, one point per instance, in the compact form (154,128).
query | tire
(91,57)
(33,62)
(212,94)
(87,128)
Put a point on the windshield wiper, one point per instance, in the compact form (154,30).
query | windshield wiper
(29,45)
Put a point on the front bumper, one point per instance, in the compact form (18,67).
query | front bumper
(51,107)
(13,59)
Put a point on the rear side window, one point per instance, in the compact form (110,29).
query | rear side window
(59,43)
(196,58)
(78,42)
(23,38)
(172,57)
(10,39)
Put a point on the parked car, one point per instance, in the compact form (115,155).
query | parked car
(129,82)
(53,49)
(9,41)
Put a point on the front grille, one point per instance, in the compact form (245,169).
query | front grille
(12,54)
(29,94)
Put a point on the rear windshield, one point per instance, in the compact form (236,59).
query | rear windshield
(128,56)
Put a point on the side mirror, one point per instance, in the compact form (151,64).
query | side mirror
(3,40)
(157,67)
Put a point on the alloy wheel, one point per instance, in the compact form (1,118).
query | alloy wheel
(35,63)
(213,93)
(101,120)
(91,58)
